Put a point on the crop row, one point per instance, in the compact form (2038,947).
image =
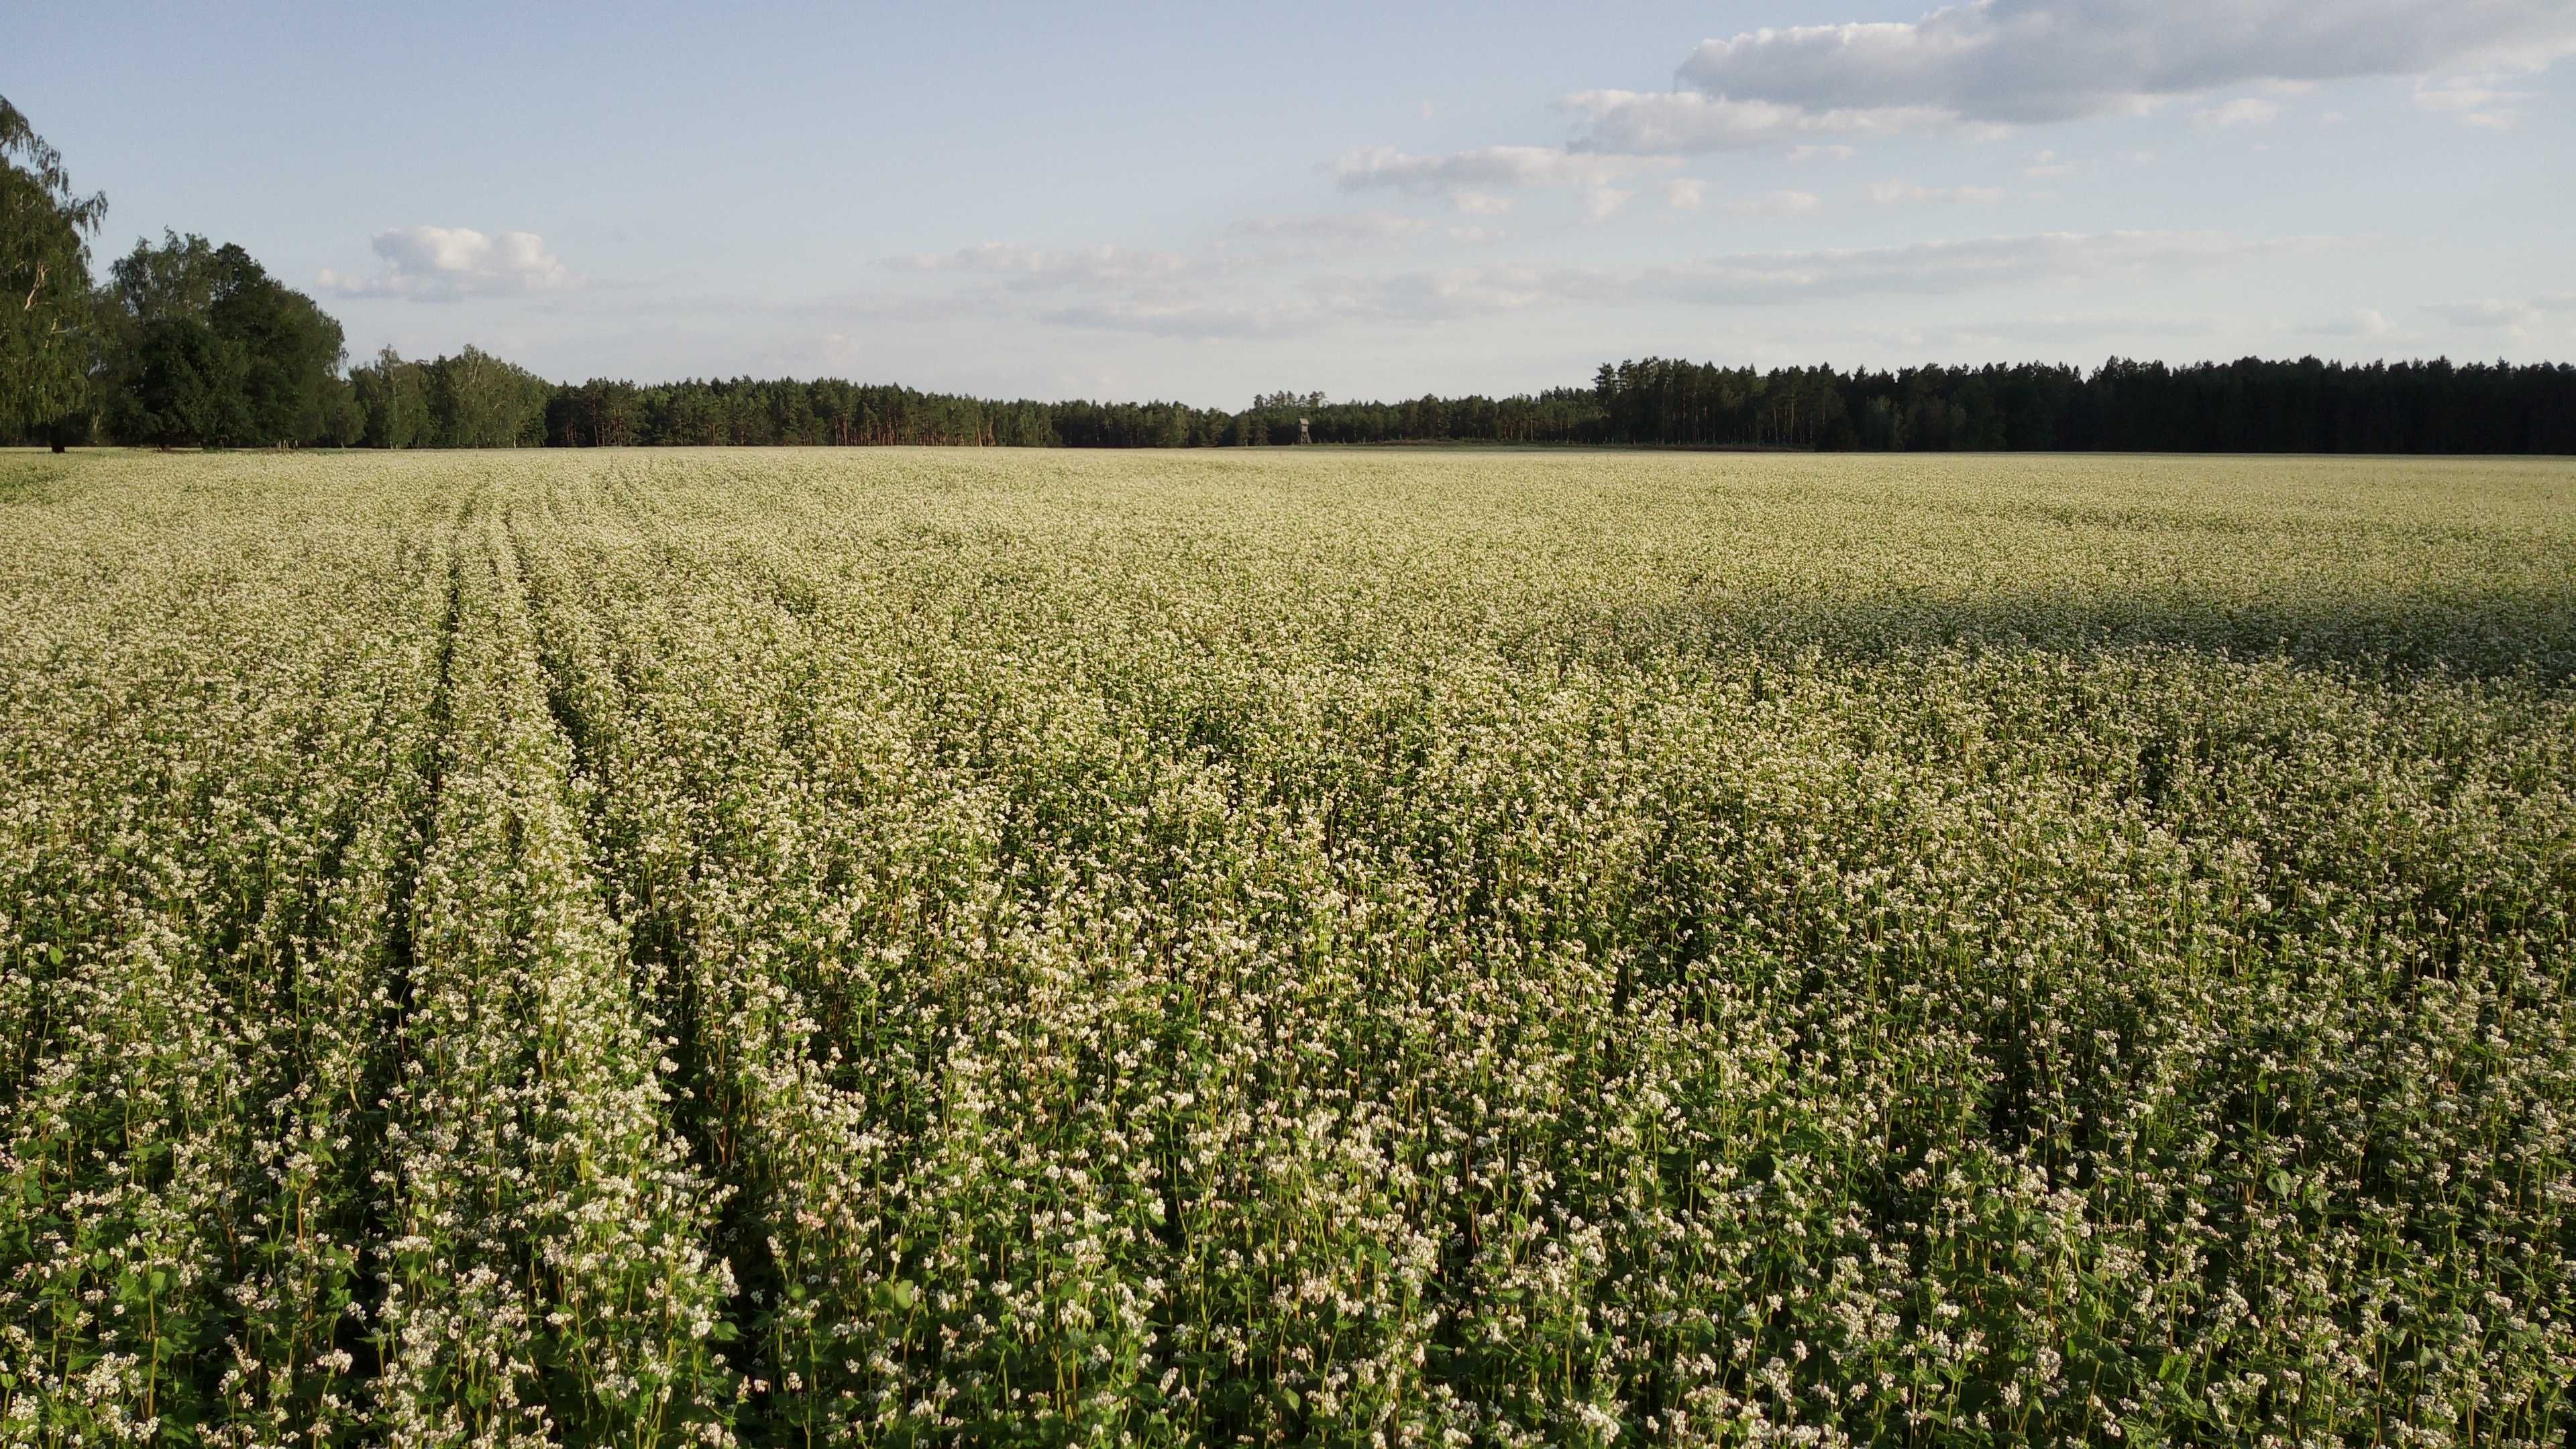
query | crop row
(1411,951)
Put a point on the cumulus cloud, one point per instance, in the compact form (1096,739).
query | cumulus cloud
(1372,167)
(446,263)
(1685,194)
(1988,65)
(1822,153)
(2021,62)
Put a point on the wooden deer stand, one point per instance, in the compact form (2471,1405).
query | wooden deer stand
(1302,435)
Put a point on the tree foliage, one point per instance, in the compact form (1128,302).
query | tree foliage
(187,386)
(44,282)
(392,400)
(470,400)
(2250,405)
(287,384)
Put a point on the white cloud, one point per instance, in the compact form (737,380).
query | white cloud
(2022,62)
(2045,166)
(1690,122)
(1821,153)
(1890,193)
(1506,166)
(2243,111)
(1685,194)
(445,263)
(1776,203)
(1481,203)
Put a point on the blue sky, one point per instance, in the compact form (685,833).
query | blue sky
(1202,201)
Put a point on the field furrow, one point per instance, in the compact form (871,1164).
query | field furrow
(546,1280)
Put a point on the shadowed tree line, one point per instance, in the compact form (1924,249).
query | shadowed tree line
(186,343)
(2246,406)
(2252,405)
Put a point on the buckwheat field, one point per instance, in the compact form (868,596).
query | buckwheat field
(938,947)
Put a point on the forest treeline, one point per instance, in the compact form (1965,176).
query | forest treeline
(187,343)
(2250,405)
